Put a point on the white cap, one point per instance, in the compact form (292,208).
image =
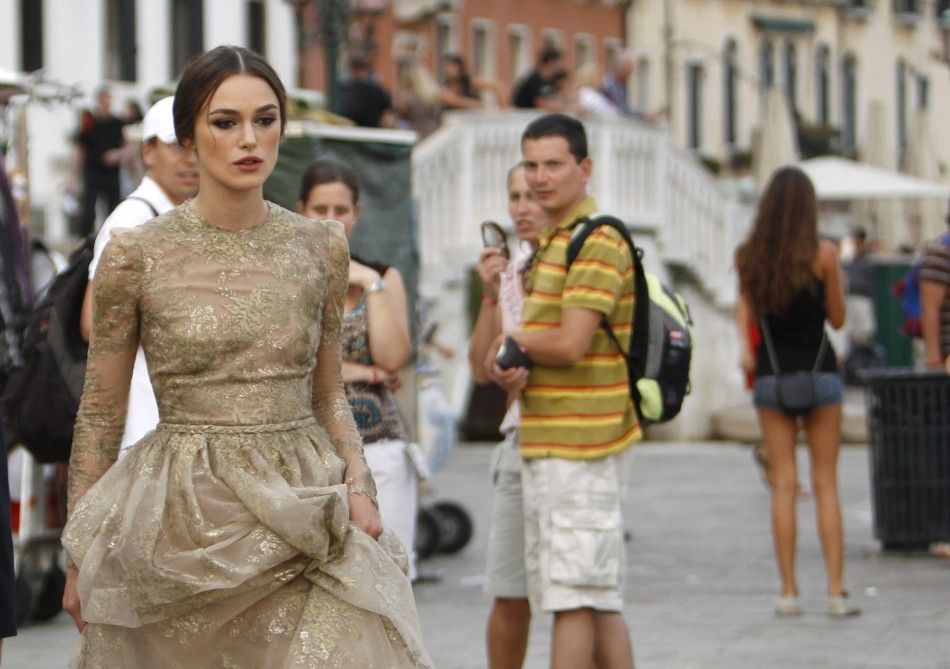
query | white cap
(159,122)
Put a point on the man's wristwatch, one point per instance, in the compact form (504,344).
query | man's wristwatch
(375,287)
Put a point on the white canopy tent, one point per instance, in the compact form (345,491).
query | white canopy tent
(12,77)
(842,179)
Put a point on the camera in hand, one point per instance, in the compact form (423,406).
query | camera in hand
(510,355)
(494,237)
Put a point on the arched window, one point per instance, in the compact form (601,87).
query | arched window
(694,102)
(849,102)
(823,84)
(187,33)
(901,94)
(766,65)
(790,59)
(31,35)
(730,81)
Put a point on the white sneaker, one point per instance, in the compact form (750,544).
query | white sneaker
(787,606)
(840,607)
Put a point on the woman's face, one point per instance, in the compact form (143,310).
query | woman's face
(451,70)
(332,200)
(527,217)
(238,133)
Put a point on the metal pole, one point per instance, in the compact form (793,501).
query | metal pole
(331,50)
(333,22)
(669,64)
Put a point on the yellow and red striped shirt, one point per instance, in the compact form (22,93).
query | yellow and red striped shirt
(582,411)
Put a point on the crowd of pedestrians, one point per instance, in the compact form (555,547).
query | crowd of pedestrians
(106,168)
(240,468)
(420,96)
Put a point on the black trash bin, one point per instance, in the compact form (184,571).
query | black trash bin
(908,416)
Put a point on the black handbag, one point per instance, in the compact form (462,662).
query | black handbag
(797,391)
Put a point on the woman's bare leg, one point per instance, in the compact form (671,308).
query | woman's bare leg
(823,428)
(779,431)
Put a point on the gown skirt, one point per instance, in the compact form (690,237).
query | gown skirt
(230,546)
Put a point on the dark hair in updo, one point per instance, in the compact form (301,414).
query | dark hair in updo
(205,73)
(329,172)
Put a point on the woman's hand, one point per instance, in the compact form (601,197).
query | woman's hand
(511,380)
(365,513)
(354,372)
(491,263)
(362,276)
(747,361)
(71,598)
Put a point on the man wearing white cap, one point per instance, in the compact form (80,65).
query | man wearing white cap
(171,177)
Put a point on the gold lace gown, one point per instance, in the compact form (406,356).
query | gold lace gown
(223,539)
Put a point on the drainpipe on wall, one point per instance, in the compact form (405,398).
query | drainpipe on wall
(669,64)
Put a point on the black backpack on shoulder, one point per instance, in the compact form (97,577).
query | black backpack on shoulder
(41,397)
(661,346)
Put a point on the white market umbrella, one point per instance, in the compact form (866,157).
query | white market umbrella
(777,144)
(842,179)
(12,77)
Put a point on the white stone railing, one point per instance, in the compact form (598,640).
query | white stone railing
(459,180)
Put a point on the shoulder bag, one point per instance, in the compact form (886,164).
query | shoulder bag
(797,392)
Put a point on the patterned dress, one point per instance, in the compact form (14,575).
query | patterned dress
(374,407)
(223,539)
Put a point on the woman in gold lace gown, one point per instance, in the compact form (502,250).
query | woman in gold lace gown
(240,533)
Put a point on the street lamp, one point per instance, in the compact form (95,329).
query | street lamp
(331,17)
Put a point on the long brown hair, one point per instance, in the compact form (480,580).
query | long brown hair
(776,259)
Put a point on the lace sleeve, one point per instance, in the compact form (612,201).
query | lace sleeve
(330,407)
(113,343)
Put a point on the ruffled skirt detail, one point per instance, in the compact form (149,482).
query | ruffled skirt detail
(219,546)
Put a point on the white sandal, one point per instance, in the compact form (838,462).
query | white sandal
(787,606)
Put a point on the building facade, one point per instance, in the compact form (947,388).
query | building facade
(708,63)
(498,40)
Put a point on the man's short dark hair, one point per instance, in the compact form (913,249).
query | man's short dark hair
(549,54)
(559,125)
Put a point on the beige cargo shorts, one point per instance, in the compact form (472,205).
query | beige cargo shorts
(574,552)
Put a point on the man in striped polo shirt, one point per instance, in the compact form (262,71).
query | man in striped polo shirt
(577,416)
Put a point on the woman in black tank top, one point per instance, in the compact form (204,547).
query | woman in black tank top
(790,285)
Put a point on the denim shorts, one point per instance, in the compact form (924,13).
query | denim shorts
(829,388)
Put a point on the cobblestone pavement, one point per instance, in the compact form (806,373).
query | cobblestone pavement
(700,580)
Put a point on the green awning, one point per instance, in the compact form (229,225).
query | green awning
(782,24)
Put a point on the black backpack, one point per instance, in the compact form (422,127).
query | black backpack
(661,347)
(41,397)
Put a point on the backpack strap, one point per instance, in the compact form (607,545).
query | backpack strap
(90,241)
(636,357)
(147,203)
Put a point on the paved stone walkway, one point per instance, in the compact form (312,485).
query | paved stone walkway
(701,576)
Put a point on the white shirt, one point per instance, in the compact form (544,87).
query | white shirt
(595,104)
(510,301)
(142,414)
